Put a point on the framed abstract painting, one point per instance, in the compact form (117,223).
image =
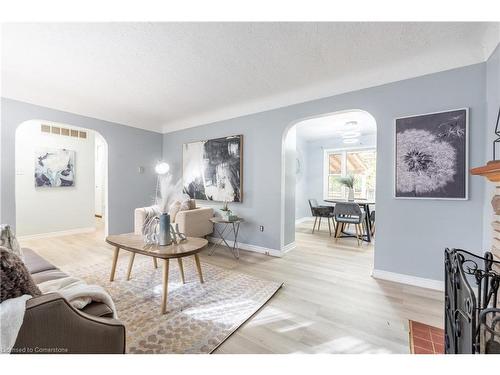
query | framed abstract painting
(432,155)
(55,168)
(212,169)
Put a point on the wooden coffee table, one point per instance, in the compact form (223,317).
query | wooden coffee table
(135,244)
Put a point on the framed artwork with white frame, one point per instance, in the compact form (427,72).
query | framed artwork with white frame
(431,155)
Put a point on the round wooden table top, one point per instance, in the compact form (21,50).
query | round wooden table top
(135,243)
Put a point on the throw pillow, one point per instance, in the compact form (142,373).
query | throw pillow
(192,204)
(185,205)
(9,241)
(15,279)
(173,210)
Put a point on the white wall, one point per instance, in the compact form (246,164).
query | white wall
(290,176)
(302,180)
(46,210)
(101,159)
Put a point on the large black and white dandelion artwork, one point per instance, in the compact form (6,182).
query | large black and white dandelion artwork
(431,155)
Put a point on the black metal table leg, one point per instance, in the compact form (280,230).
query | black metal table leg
(368,223)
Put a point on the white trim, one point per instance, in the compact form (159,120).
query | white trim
(394,155)
(249,247)
(291,246)
(61,233)
(303,219)
(408,280)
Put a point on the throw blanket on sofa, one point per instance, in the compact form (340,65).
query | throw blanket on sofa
(11,320)
(78,293)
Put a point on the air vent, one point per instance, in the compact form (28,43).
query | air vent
(63,131)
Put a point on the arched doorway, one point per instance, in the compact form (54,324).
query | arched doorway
(61,173)
(318,151)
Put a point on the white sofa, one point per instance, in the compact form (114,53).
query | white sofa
(193,223)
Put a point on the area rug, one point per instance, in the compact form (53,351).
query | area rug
(200,317)
(425,339)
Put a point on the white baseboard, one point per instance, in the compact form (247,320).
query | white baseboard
(285,249)
(303,219)
(249,247)
(57,234)
(408,280)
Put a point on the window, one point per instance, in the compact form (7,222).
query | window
(359,163)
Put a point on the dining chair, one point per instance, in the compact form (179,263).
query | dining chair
(372,222)
(348,213)
(320,212)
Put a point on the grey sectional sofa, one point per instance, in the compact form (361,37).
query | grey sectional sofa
(52,325)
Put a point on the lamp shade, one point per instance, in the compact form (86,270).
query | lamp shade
(162,168)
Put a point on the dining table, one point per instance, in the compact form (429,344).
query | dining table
(365,205)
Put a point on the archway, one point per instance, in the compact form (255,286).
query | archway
(353,135)
(55,168)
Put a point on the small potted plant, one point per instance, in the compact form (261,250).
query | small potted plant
(348,182)
(226,212)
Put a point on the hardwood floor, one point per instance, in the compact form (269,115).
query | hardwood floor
(329,304)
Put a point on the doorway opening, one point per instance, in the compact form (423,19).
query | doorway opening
(61,180)
(100,175)
(322,156)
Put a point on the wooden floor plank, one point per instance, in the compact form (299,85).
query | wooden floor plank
(329,303)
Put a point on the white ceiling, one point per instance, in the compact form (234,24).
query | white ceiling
(337,126)
(169,76)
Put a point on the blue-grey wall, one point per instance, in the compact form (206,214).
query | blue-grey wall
(261,170)
(411,234)
(128,148)
(492,108)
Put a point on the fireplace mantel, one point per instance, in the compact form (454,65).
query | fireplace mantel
(491,171)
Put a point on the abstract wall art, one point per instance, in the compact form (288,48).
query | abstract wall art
(212,169)
(54,168)
(432,156)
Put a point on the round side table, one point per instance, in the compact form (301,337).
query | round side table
(228,227)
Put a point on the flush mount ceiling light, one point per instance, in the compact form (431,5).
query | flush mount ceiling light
(351,123)
(350,134)
(349,141)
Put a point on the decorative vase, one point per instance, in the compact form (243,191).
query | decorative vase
(164,232)
(350,196)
